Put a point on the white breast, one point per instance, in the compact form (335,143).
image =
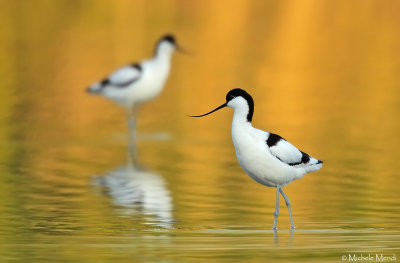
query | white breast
(146,82)
(155,75)
(257,161)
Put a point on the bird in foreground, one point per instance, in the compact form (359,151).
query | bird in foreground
(134,84)
(266,157)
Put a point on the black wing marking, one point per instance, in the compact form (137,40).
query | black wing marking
(286,152)
(125,76)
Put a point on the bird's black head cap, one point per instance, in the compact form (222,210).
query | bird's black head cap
(242,93)
(170,38)
(231,96)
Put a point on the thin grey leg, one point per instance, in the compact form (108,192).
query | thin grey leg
(276,213)
(288,206)
(132,150)
(291,236)
(276,237)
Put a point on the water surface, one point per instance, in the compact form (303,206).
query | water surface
(324,75)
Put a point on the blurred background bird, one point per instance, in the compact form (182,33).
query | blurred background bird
(136,83)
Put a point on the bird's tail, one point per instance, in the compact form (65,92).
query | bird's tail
(94,88)
(315,165)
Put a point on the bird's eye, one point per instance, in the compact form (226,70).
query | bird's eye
(231,97)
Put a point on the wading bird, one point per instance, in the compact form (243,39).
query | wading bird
(134,84)
(266,157)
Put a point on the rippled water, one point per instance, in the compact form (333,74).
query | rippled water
(324,75)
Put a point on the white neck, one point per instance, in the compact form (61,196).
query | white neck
(164,51)
(240,117)
(163,55)
(241,129)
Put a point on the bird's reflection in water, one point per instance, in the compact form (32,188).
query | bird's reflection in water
(276,236)
(139,192)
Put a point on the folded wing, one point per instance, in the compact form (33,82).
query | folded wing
(121,78)
(125,75)
(288,154)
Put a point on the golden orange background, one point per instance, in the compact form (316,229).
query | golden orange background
(324,74)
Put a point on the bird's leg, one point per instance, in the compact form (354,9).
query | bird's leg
(276,213)
(132,151)
(291,235)
(276,237)
(288,206)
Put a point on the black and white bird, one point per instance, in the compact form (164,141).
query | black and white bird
(266,157)
(134,84)
(139,191)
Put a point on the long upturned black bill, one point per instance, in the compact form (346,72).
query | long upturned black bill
(182,50)
(220,107)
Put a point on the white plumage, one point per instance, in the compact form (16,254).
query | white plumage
(125,75)
(134,84)
(139,191)
(266,157)
(273,166)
